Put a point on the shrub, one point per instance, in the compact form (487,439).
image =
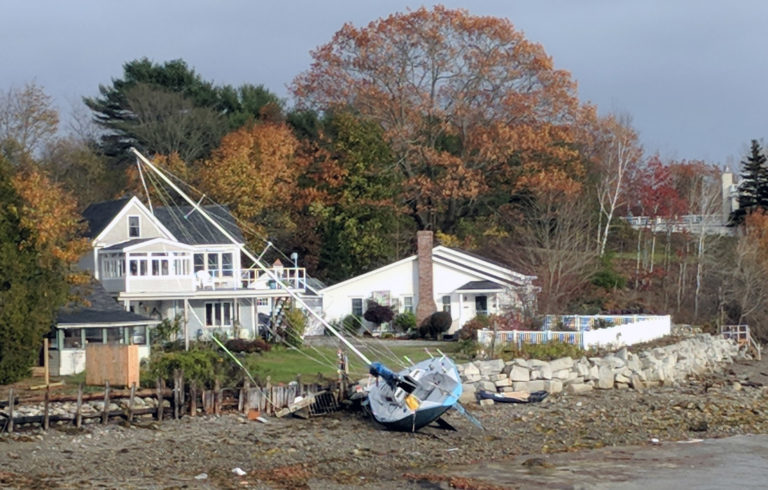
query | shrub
(435,324)
(247,346)
(545,352)
(165,331)
(469,330)
(201,365)
(405,321)
(296,324)
(378,314)
(606,277)
(351,324)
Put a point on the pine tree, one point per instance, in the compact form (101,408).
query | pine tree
(753,189)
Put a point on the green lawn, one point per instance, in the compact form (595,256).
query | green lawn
(283,364)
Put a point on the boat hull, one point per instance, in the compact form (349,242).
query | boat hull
(435,387)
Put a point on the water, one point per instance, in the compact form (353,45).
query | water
(734,462)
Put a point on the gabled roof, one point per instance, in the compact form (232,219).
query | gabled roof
(101,310)
(479,266)
(191,227)
(183,223)
(480,286)
(100,214)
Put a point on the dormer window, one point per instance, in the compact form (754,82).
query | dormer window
(133,227)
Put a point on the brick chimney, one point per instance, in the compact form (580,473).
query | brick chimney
(426,305)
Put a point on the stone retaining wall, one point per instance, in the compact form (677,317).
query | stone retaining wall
(622,369)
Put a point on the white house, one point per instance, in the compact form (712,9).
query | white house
(171,262)
(443,278)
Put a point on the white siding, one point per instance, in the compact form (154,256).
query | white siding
(117,231)
(401,279)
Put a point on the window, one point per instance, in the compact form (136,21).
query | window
(357,306)
(226,264)
(218,314)
(73,339)
(217,264)
(213,265)
(447,304)
(407,304)
(199,262)
(262,301)
(94,335)
(112,266)
(133,227)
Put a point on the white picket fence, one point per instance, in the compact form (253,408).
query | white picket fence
(643,329)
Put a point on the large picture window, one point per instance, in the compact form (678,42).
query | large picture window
(218,314)
(153,264)
(216,264)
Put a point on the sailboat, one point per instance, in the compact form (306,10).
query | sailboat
(406,400)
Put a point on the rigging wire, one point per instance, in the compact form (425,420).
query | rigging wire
(233,222)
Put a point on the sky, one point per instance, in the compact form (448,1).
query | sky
(692,74)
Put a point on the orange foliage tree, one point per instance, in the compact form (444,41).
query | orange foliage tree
(50,214)
(255,172)
(466,103)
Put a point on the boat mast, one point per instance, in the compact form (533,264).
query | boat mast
(245,251)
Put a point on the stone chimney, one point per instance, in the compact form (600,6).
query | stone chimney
(426,305)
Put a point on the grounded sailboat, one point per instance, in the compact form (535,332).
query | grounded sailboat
(407,400)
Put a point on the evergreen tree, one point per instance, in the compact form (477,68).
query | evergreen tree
(32,286)
(753,189)
(168,107)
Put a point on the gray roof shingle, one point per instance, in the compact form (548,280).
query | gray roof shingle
(102,308)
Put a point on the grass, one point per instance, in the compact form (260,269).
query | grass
(283,365)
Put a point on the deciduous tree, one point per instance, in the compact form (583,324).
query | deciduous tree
(34,256)
(28,121)
(255,172)
(464,102)
(552,239)
(617,152)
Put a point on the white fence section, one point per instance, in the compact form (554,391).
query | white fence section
(632,333)
(644,329)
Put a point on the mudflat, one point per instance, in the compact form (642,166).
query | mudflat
(555,442)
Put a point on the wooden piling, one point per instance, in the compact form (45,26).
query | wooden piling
(217,395)
(182,393)
(160,399)
(46,369)
(46,407)
(130,404)
(176,396)
(105,412)
(79,409)
(242,401)
(192,399)
(10,410)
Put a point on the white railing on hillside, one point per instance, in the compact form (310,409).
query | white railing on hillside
(693,223)
(590,322)
(645,329)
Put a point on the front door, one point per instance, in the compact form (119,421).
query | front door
(481,305)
